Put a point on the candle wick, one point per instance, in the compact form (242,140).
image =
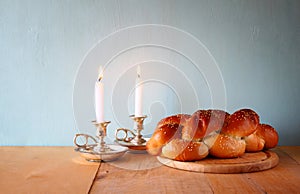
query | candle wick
(99,79)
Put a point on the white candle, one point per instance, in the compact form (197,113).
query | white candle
(138,95)
(99,97)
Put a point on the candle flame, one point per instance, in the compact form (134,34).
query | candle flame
(100,73)
(138,71)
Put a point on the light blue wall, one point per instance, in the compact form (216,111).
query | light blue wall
(256,45)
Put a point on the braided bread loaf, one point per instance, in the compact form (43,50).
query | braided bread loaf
(186,137)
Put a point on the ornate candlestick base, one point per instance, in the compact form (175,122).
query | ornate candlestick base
(99,150)
(133,139)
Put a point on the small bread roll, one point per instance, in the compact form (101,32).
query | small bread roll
(269,134)
(241,123)
(224,146)
(182,150)
(254,143)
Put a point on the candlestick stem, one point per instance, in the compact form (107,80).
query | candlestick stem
(101,134)
(138,139)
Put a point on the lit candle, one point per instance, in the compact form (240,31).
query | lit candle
(99,97)
(138,95)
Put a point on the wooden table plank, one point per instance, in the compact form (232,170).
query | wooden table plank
(284,178)
(61,170)
(44,170)
(142,173)
(231,183)
(161,179)
(111,179)
(292,151)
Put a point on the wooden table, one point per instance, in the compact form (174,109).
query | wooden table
(61,170)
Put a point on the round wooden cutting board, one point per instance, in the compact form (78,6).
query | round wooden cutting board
(249,162)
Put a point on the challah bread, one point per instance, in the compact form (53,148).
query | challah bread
(268,134)
(218,120)
(196,126)
(254,143)
(186,137)
(166,130)
(161,136)
(202,123)
(182,150)
(265,137)
(224,146)
(241,123)
(180,119)
(229,143)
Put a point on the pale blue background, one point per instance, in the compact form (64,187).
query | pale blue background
(256,44)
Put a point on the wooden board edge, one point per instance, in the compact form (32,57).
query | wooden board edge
(271,161)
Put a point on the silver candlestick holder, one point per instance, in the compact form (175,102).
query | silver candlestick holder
(133,139)
(98,150)
(101,134)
